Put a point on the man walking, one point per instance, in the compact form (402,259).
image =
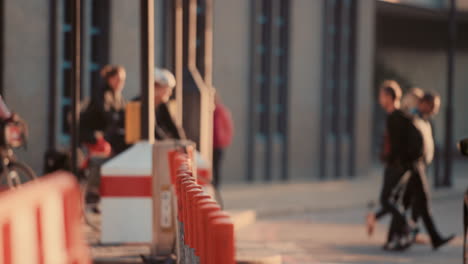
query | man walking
(395,141)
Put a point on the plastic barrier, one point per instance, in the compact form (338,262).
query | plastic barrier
(40,223)
(136,189)
(205,232)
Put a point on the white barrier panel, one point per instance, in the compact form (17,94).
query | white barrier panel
(126,196)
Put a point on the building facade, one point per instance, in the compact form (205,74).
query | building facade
(298,76)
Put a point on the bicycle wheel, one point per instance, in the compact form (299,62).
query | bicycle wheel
(18,173)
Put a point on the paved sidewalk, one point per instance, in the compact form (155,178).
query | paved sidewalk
(322,222)
(283,198)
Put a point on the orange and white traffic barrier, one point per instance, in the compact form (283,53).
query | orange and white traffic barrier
(137,195)
(40,223)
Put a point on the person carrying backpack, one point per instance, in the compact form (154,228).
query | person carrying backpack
(417,194)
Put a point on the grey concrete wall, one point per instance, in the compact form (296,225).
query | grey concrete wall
(26,72)
(305,88)
(364,82)
(428,70)
(231,76)
(125,42)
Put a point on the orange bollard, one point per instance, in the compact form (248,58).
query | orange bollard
(183,199)
(191,191)
(194,223)
(205,210)
(211,246)
(174,163)
(192,214)
(180,180)
(200,226)
(223,241)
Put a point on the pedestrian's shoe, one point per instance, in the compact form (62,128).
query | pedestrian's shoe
(370,224)
(413,233)
(438,244)
(398,244)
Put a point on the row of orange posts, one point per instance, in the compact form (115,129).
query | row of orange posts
(206,232)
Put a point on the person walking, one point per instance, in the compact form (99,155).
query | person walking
(394,143)
(418,194)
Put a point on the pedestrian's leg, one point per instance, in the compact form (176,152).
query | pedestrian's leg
(391,231)
(422,207)
(217,154)
(391,178)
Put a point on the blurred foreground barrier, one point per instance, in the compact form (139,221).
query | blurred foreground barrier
(205,232)
(40,223)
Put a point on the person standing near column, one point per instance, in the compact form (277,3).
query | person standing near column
(222,137)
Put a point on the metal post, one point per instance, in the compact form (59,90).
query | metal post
(179,58)
(266,90)
(2,31)
(352,89)
(147,69)
(447,181)
(52,73)
(76,79)
(285,10)
(255,32)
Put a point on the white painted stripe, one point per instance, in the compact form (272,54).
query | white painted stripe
(134,161)
(24,235)
(53,229)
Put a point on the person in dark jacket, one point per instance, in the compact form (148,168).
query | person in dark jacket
(165,127)
(389,98)
(104,117)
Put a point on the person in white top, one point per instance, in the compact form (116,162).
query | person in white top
(417,193)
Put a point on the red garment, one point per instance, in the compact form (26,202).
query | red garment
(222,127)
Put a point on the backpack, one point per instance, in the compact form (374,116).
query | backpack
(223,127)
(414,140)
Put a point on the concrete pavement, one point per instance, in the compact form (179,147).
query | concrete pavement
(281,198)
(313,222)
(323,222)
(338,236)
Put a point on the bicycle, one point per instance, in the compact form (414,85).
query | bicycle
(14,172)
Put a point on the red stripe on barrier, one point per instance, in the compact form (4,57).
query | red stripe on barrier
(40,236)
(6,239)
(126,186)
